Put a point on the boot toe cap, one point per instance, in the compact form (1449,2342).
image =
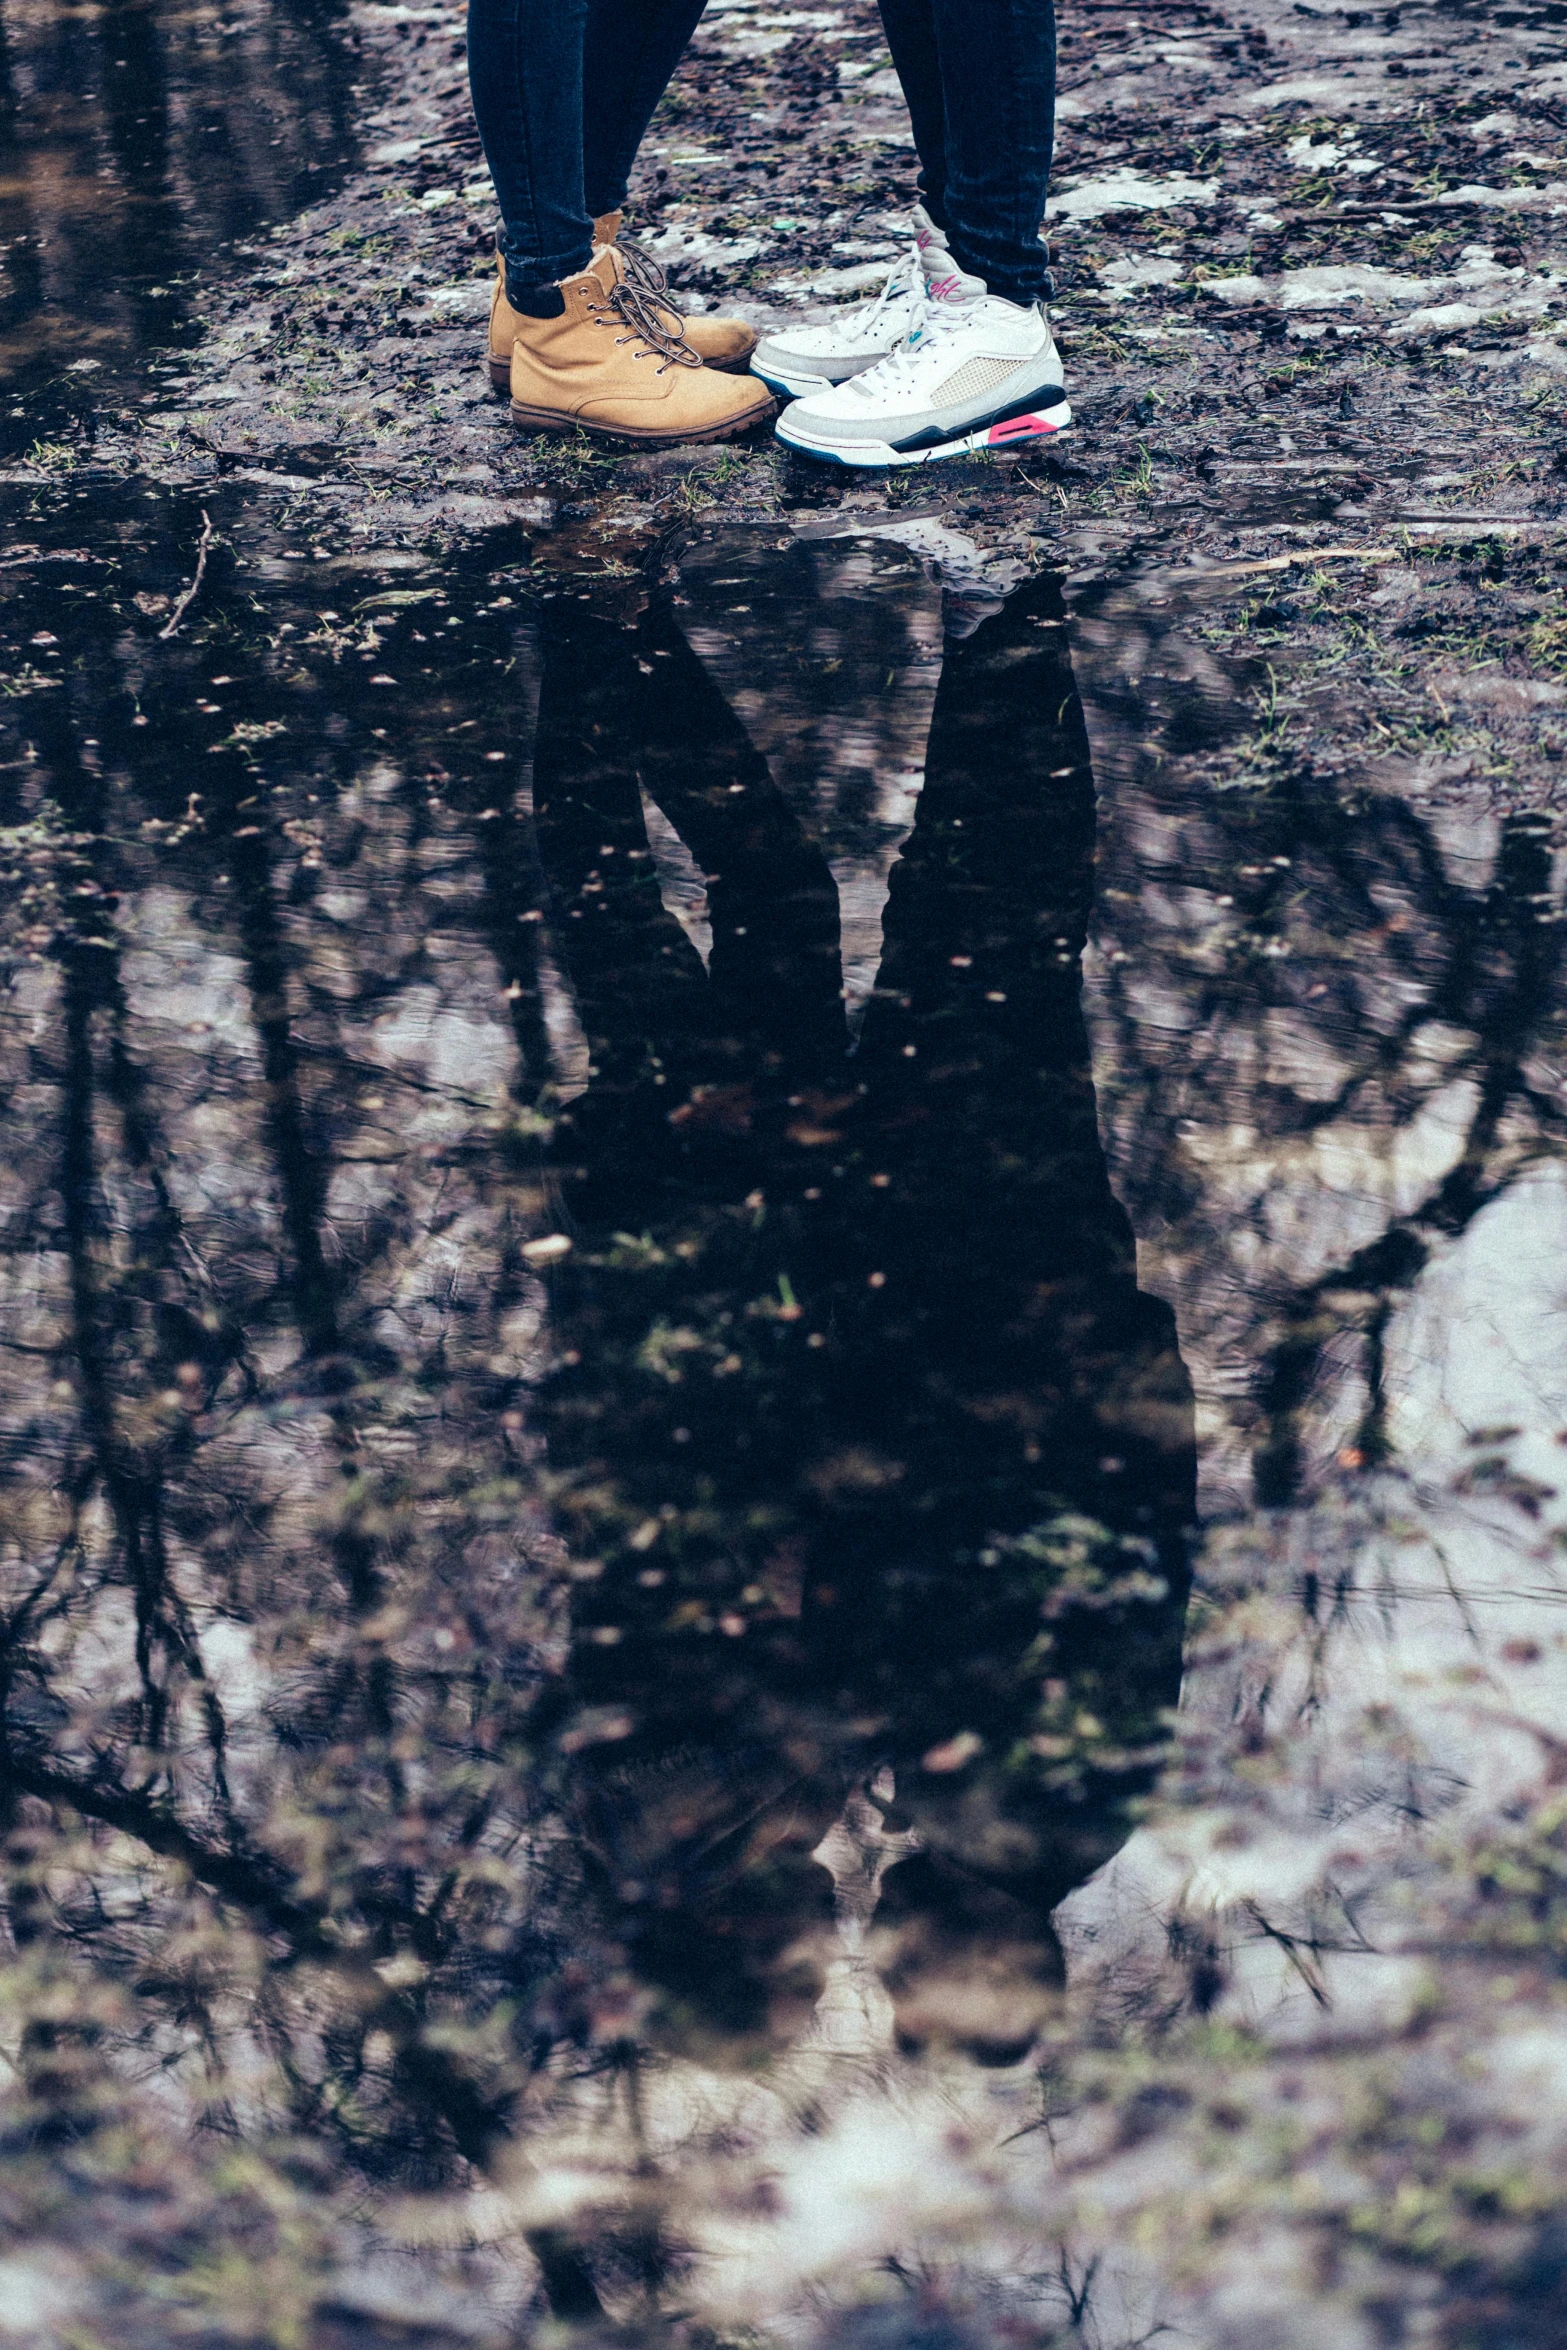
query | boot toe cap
(721,342)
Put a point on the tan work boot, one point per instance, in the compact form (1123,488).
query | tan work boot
(613,365)
(725,343)
(505,326)
(717,342)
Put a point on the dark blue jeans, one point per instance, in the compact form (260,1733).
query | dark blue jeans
(564,89)
(556,161)
(980,80)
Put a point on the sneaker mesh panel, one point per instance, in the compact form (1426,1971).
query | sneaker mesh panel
(973,380)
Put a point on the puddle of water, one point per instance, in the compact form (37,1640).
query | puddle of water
(631,1214)
(138,141)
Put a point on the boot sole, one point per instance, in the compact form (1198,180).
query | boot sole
(500,370)
(550,420)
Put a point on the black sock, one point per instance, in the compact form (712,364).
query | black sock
(536,301)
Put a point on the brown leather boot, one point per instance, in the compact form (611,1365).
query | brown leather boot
(725,343)
(613,365)
(505,326)
(717,342)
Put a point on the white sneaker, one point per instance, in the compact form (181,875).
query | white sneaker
(804,359)
(974,372)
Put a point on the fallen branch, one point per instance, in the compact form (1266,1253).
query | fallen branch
(1424,514)
(203,547)
(1416,207)
(1297,556)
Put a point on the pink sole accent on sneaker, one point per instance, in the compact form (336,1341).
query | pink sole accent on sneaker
(1020,428)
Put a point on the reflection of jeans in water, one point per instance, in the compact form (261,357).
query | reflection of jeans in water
(865,1435)
(980,80)
(563,91)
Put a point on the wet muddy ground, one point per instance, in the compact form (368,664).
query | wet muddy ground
(780,1350)
(1312,293)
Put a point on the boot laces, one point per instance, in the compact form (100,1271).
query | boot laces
(650,279)
(642,270)
(639,310)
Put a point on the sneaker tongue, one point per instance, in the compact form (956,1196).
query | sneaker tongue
(926,233)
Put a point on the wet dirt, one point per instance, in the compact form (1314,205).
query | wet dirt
(1310,286)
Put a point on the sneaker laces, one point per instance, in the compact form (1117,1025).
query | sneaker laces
(905,282)
(927,327)
(640,310)
(906,278)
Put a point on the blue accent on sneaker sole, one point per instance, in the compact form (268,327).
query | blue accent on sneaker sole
(799,387)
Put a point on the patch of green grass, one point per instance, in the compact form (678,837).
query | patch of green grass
(1096,342)
(1546,642)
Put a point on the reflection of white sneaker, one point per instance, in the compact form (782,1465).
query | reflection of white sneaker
(803,359)
(974,372)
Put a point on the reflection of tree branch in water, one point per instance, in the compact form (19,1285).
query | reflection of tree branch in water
(431,1870)
(302,1174)
(1309,820)
(132,1484)
(1507,1022)
(260,1887)
(1391,985)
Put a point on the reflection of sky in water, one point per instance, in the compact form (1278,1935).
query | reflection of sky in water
(839,709)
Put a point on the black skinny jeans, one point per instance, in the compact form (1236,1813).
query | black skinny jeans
(979,77)
(563,91)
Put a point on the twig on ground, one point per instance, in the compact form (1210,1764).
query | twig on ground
(184,603)
(1319,555)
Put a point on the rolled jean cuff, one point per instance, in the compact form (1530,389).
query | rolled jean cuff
(546,269)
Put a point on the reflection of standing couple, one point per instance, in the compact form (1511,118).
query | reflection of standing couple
(869,1449)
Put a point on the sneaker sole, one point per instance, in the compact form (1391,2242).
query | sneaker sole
(801,386)
(1011,433)
(792,387)
(550,420)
